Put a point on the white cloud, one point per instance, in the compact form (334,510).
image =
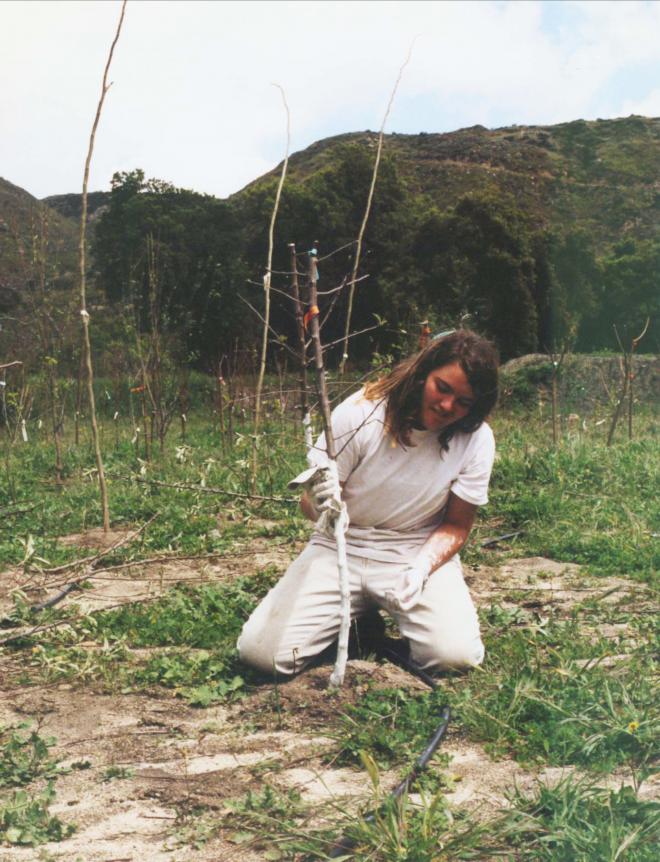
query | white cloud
(192,101)
(649,106)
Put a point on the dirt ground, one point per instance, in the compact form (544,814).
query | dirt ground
(177,758)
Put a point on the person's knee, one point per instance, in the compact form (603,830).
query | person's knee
(258,653)
(440,654)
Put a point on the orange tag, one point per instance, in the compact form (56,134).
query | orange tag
(313,312)
(137,389)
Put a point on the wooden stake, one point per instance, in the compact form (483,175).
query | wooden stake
(365,218)
(83,300)
(267,277)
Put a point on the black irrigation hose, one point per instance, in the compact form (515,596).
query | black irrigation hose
(345,844)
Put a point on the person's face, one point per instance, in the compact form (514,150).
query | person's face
(447,397)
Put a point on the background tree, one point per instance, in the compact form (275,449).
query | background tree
(198,243)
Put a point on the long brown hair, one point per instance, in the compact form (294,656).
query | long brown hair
(404,385)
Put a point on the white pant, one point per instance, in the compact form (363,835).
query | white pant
(300,616)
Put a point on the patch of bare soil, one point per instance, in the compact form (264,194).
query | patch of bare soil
(536,582)
(307,702)
(95,538)
(143,581)
(176,759)
(173,760)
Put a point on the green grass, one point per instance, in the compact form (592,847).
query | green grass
(572,821)
(541,697)
(545,694)
(581,502)
(195,627)
(578,822)
(392,725)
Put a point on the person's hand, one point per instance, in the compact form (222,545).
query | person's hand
(323,489)
(409,586)
(323,492)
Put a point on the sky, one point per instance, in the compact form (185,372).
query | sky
(192,99)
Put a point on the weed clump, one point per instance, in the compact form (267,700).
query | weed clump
(24,816)
(25,819)
(24,756)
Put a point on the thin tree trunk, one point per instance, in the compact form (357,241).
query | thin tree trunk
(56,425)
(555,409)
(145,422)
(341,521)
(300,324)
(627,388)
(79,397)
(630,400)
(221,406)
(619,407)
(83,298)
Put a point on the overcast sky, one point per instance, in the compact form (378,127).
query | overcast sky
(192,100)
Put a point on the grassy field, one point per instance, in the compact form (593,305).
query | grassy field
(560,721)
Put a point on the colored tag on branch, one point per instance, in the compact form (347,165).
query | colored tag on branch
(313,312)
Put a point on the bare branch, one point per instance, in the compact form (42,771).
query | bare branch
(204,490)
(336,251)
(270,329)
(352,335)
(89,573)
(641,335)
(343,285)
(267,278)
(363,226)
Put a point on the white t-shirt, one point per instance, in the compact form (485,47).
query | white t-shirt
(395,495)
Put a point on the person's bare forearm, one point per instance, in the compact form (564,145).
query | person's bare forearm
(450,536)
(441,545)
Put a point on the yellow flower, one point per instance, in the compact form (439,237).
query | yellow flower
(632,726)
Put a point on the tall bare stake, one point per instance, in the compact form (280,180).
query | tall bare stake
(267,278)
(83,298)
(367,211)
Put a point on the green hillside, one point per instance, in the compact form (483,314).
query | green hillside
(24,222)
(602,176)
(70,205)
(537,235)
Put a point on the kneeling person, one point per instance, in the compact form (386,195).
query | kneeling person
(414,461)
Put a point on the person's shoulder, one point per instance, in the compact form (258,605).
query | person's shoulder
(484,433)
(358,404)
(482,438)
